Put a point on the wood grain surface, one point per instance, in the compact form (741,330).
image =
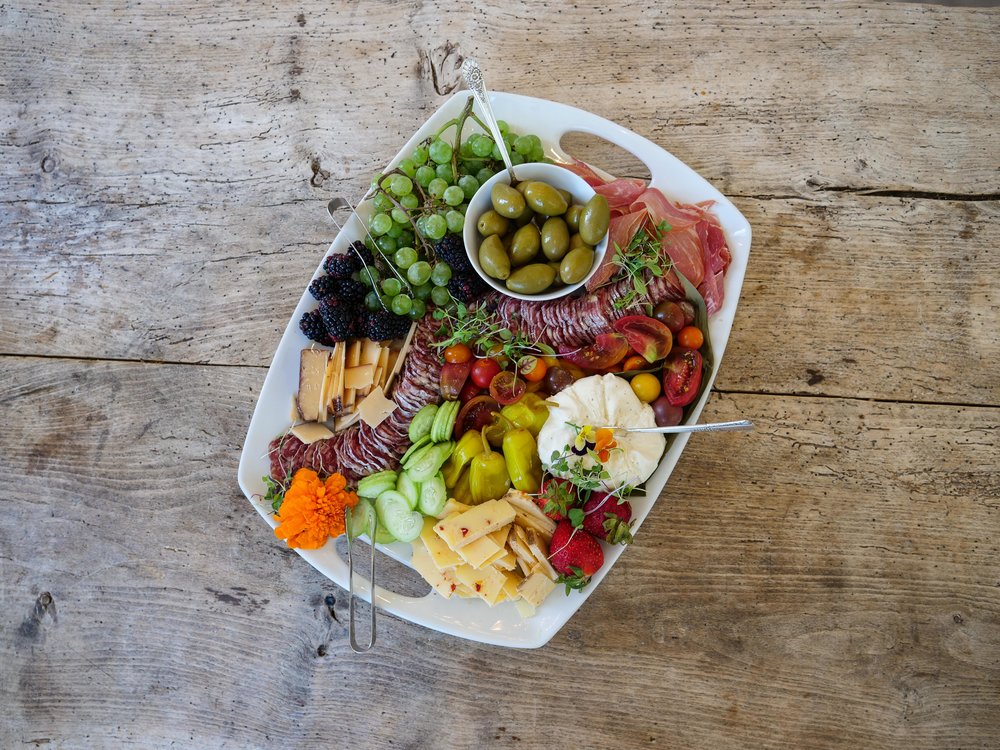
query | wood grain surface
(832,580)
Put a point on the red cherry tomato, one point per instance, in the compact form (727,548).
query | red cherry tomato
(469,392)
(475,415)
(457,353)
(506,387)
(682,377)
(483,372)
(665,413)
(533,368)
(691,337)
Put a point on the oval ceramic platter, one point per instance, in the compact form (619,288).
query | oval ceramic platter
(470,618)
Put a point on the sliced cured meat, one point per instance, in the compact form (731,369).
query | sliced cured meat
(660,209)
(584,170)
(621,230)
(621,194)
(683,247)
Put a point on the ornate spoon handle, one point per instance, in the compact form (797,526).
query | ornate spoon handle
(474,80)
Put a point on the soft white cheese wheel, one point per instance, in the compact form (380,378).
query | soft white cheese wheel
(603,400)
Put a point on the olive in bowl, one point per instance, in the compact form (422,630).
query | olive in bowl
(540,239)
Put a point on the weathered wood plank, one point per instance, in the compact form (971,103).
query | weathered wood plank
(829,580)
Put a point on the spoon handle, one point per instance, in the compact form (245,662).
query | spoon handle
(474,80)
(743,424)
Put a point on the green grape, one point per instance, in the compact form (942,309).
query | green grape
(381,202)
(469,185)
(369,242)
(456,221)
(369,277)
(380,224)
(418,309)
(421,223)
(401,185)
(495,153)
(372,301)
(441,274)
(536,154)
(405,239)
(405,257)
(386,244)
(516,159)
(437,188)
(400,216)
(401,304)
(423,291)
(409,201)
(440,296)
(419,273)
(465,151)
(386,302)
(439,151)
(503,127)
(395,231)
(453,195)
(392,287)
(407,167)
(445,172)
(386,182)
(424,175)
(483,146)
(523,144)
(483,175)
(419,155)
(467,167)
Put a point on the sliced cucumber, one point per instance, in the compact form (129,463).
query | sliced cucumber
(375,484)
(427,463)
(394,513)
(444,421)
(421,423)
(382,535)
(425,440)
(433,495)
(409,489)
(419,453)
(361,519)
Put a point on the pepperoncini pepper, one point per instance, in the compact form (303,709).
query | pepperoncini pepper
(529,412)
(520,452)
(469,446)
(488,479)
(461,491)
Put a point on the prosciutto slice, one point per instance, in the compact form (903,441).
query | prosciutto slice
(621,194)
(621,230)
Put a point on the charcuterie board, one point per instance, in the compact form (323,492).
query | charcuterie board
(502,624)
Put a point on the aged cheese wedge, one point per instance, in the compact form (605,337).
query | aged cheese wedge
(294,414)
(376,408)
(510,584)
(351,360)
(360,376)
(535,588)
(310,432)
(334,388)
(486,584)
(312,371)
(465,528)
(346,421)
(441,554)
(477,553)
(395,362)
(443,581)
(530,514)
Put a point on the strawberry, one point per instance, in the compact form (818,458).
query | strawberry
(556,498)
(575,554)
(607,517)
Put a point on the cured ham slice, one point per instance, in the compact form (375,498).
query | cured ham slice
(621,194)
(582,169)
(621,230)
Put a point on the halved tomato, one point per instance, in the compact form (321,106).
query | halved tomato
(682,377)
(607,350)
(648,336)
(506,387)
(453,377)
(475,415)
(469,392)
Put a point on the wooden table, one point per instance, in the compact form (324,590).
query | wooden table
(831,580)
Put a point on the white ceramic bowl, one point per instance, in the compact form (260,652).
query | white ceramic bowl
(555,176)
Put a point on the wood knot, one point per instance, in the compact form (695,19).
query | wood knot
(49,164)
(444,63)
(319,175)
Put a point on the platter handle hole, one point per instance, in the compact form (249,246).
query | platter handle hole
(389,574)
(604,154)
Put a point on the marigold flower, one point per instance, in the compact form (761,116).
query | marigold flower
(313,509)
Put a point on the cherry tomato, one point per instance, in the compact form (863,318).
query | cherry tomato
(496,353)
(506,387)
(635,362)
(665,413)
(691,337)
(646,387)
(647,336)
(453,377)
(608,349)
(469,392)
(457,353)
(688,310)
(682,376)
(483,372)
(475,415)
(558,379)
(533,368)
(670,314)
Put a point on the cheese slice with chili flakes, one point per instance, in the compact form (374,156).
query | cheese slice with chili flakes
(477,553)
(485,583)
(441,554)
(464,528)
(443,581)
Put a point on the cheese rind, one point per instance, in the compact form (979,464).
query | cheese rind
(312,376)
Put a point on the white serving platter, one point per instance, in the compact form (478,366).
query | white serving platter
(467,618)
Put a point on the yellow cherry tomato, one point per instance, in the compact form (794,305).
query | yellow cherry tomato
(646,387)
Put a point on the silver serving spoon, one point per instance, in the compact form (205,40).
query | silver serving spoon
(743,424)
(474,80)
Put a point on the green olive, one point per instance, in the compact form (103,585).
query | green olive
(577,241)
(520,186)
(492,223)
(572,217)
(525,245)
(525,218)
(555,238)
(594,220)
(544,199)
(532,279)
(567,195)
(493,258)
(557,281)
(507,201)
(576,265)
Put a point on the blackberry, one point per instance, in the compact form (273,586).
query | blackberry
(358,248)
(336,316)
(322,287)
(451,250)
(466,288)
(350,290)
(382,326)
(356,328)
(311,324)
(341,266)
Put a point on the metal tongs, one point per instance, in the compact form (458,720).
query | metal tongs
(355,647)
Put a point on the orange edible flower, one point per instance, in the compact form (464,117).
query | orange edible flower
(313,509)
(604,443)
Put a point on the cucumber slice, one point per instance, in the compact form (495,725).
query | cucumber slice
(433,495)
(361,519)
(375,484)
(394,513)
(427,463)
(425,440)
(382,536)
(409,489)
(419,453)
(444,421)
(421,423)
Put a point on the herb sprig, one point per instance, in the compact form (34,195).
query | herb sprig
(484,331)
(642,255)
